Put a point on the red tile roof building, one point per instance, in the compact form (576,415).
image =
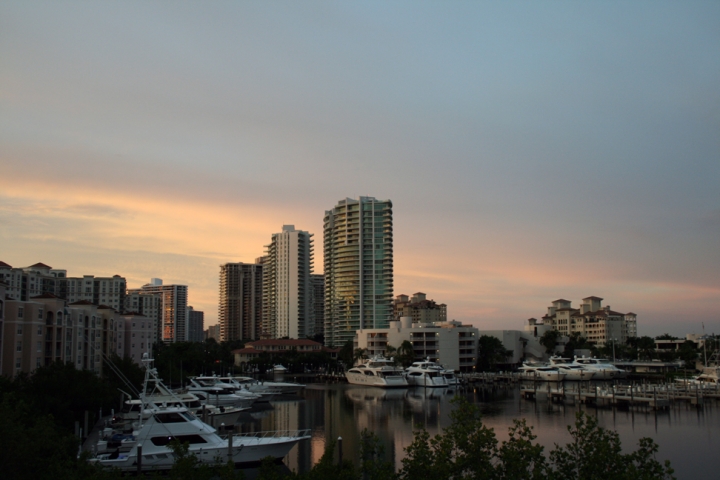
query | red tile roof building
(600,325)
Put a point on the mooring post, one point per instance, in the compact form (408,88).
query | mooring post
(340,452)
(85,426)
(139,458)
(230,440)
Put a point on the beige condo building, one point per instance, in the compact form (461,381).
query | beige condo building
(599,325)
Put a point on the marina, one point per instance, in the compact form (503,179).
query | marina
(685,429)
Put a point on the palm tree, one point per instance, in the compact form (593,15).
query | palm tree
(360,353)
(406,353)
(390,350)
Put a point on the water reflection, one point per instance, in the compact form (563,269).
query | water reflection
(685,434)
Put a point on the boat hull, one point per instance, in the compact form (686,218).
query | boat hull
(394,381)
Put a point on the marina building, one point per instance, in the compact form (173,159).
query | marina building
(241,300)
(450,343)
(358,248)
(287,310)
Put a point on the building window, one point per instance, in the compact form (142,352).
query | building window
(40,314)
(19,329)
(18,363)
(39,331)
(39,347)
(19,346)
(20,312)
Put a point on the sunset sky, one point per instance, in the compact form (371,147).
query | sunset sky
(532,150)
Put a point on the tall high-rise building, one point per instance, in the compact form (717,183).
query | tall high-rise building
(241,299)
(196,321)
(358,247)
(173,327)
(287,291)
(318,301)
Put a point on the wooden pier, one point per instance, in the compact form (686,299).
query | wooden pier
(656,397)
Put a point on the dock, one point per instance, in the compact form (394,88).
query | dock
(653,396)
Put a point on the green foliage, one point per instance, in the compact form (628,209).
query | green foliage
(372,463)
(359,355)
(596,453)
(491,352)
(549,340)
(576,342)
(345,354)
(467,449)
(405,354)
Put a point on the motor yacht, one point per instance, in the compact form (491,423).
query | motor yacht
(221,395)
(278,369)
(542,373)
(265,394)
(426,373)
(377,372)
(159,395)
(601,367)
(282,388)
(572,371)
(450,377)
(148,447)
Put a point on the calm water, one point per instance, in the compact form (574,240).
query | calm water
(688,437)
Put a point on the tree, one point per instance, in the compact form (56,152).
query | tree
(575,342)
(406,353)
(345,354)
(549,340)
(491,352)
(359,354)
(467,449)
(596,453)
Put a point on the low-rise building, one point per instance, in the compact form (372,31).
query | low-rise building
(273,347)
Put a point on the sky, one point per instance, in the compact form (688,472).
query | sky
(532,150)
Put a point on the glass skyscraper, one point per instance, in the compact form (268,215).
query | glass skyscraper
(358,247)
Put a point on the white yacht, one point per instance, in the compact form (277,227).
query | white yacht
(242,390)
(377,372)
(159,425)
(601,367)
(450,377)
(426,373)
(282,388)
(160,395)
(542,373)
(572,371)
(221,395)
